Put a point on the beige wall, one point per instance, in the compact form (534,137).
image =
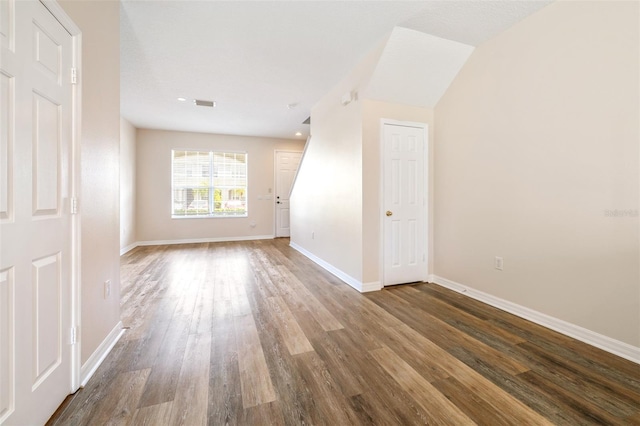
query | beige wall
(373,112)
(153,186)
(337,194)
(127,184)
(327,197)
(326,201)
(536,139)
(100,140)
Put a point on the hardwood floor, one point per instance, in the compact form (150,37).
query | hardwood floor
(253,333)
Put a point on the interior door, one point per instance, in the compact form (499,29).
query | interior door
(287,164)
(35,222)
(404,202)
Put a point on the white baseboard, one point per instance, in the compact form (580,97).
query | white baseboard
(204,240)
(357,284)
(96,358)
(127,249)
(592,338)
(371,286)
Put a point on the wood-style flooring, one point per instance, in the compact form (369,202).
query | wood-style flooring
(254,333)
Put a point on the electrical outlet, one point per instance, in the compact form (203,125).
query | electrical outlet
(499,263)
(107,289)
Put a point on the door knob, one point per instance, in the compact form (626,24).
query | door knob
(389,213)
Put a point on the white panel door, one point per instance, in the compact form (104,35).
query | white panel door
(404,220)
(35,222)
(287,164)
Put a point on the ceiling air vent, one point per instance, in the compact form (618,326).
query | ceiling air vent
(200,102)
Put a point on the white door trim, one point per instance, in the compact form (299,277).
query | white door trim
(76,98)
(381,212)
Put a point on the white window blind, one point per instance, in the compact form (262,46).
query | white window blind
(209,184)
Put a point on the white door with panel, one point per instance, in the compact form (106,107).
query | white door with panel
(35,221)
(404,204)
(287,164)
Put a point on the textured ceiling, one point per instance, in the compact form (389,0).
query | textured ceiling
(471,21)
(255,58)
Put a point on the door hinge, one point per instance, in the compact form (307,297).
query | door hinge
(73,337)
(74,205)
(74,76)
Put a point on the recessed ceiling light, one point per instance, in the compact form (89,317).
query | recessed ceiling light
(292,106)
(182,99)
(298,134)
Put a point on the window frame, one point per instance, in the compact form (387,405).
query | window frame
(211,188)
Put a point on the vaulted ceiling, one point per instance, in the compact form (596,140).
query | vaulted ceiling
(266,63)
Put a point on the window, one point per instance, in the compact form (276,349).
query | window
(208,184)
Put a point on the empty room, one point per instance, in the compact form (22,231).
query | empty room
(319,212)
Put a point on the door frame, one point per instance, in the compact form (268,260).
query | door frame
(74,164)
(426,205)
(275,185)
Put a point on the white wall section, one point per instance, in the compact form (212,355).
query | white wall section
(416,68)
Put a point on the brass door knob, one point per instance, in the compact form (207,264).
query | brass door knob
(389,213)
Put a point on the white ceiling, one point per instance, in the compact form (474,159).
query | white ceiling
(255,58)
(427,64)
